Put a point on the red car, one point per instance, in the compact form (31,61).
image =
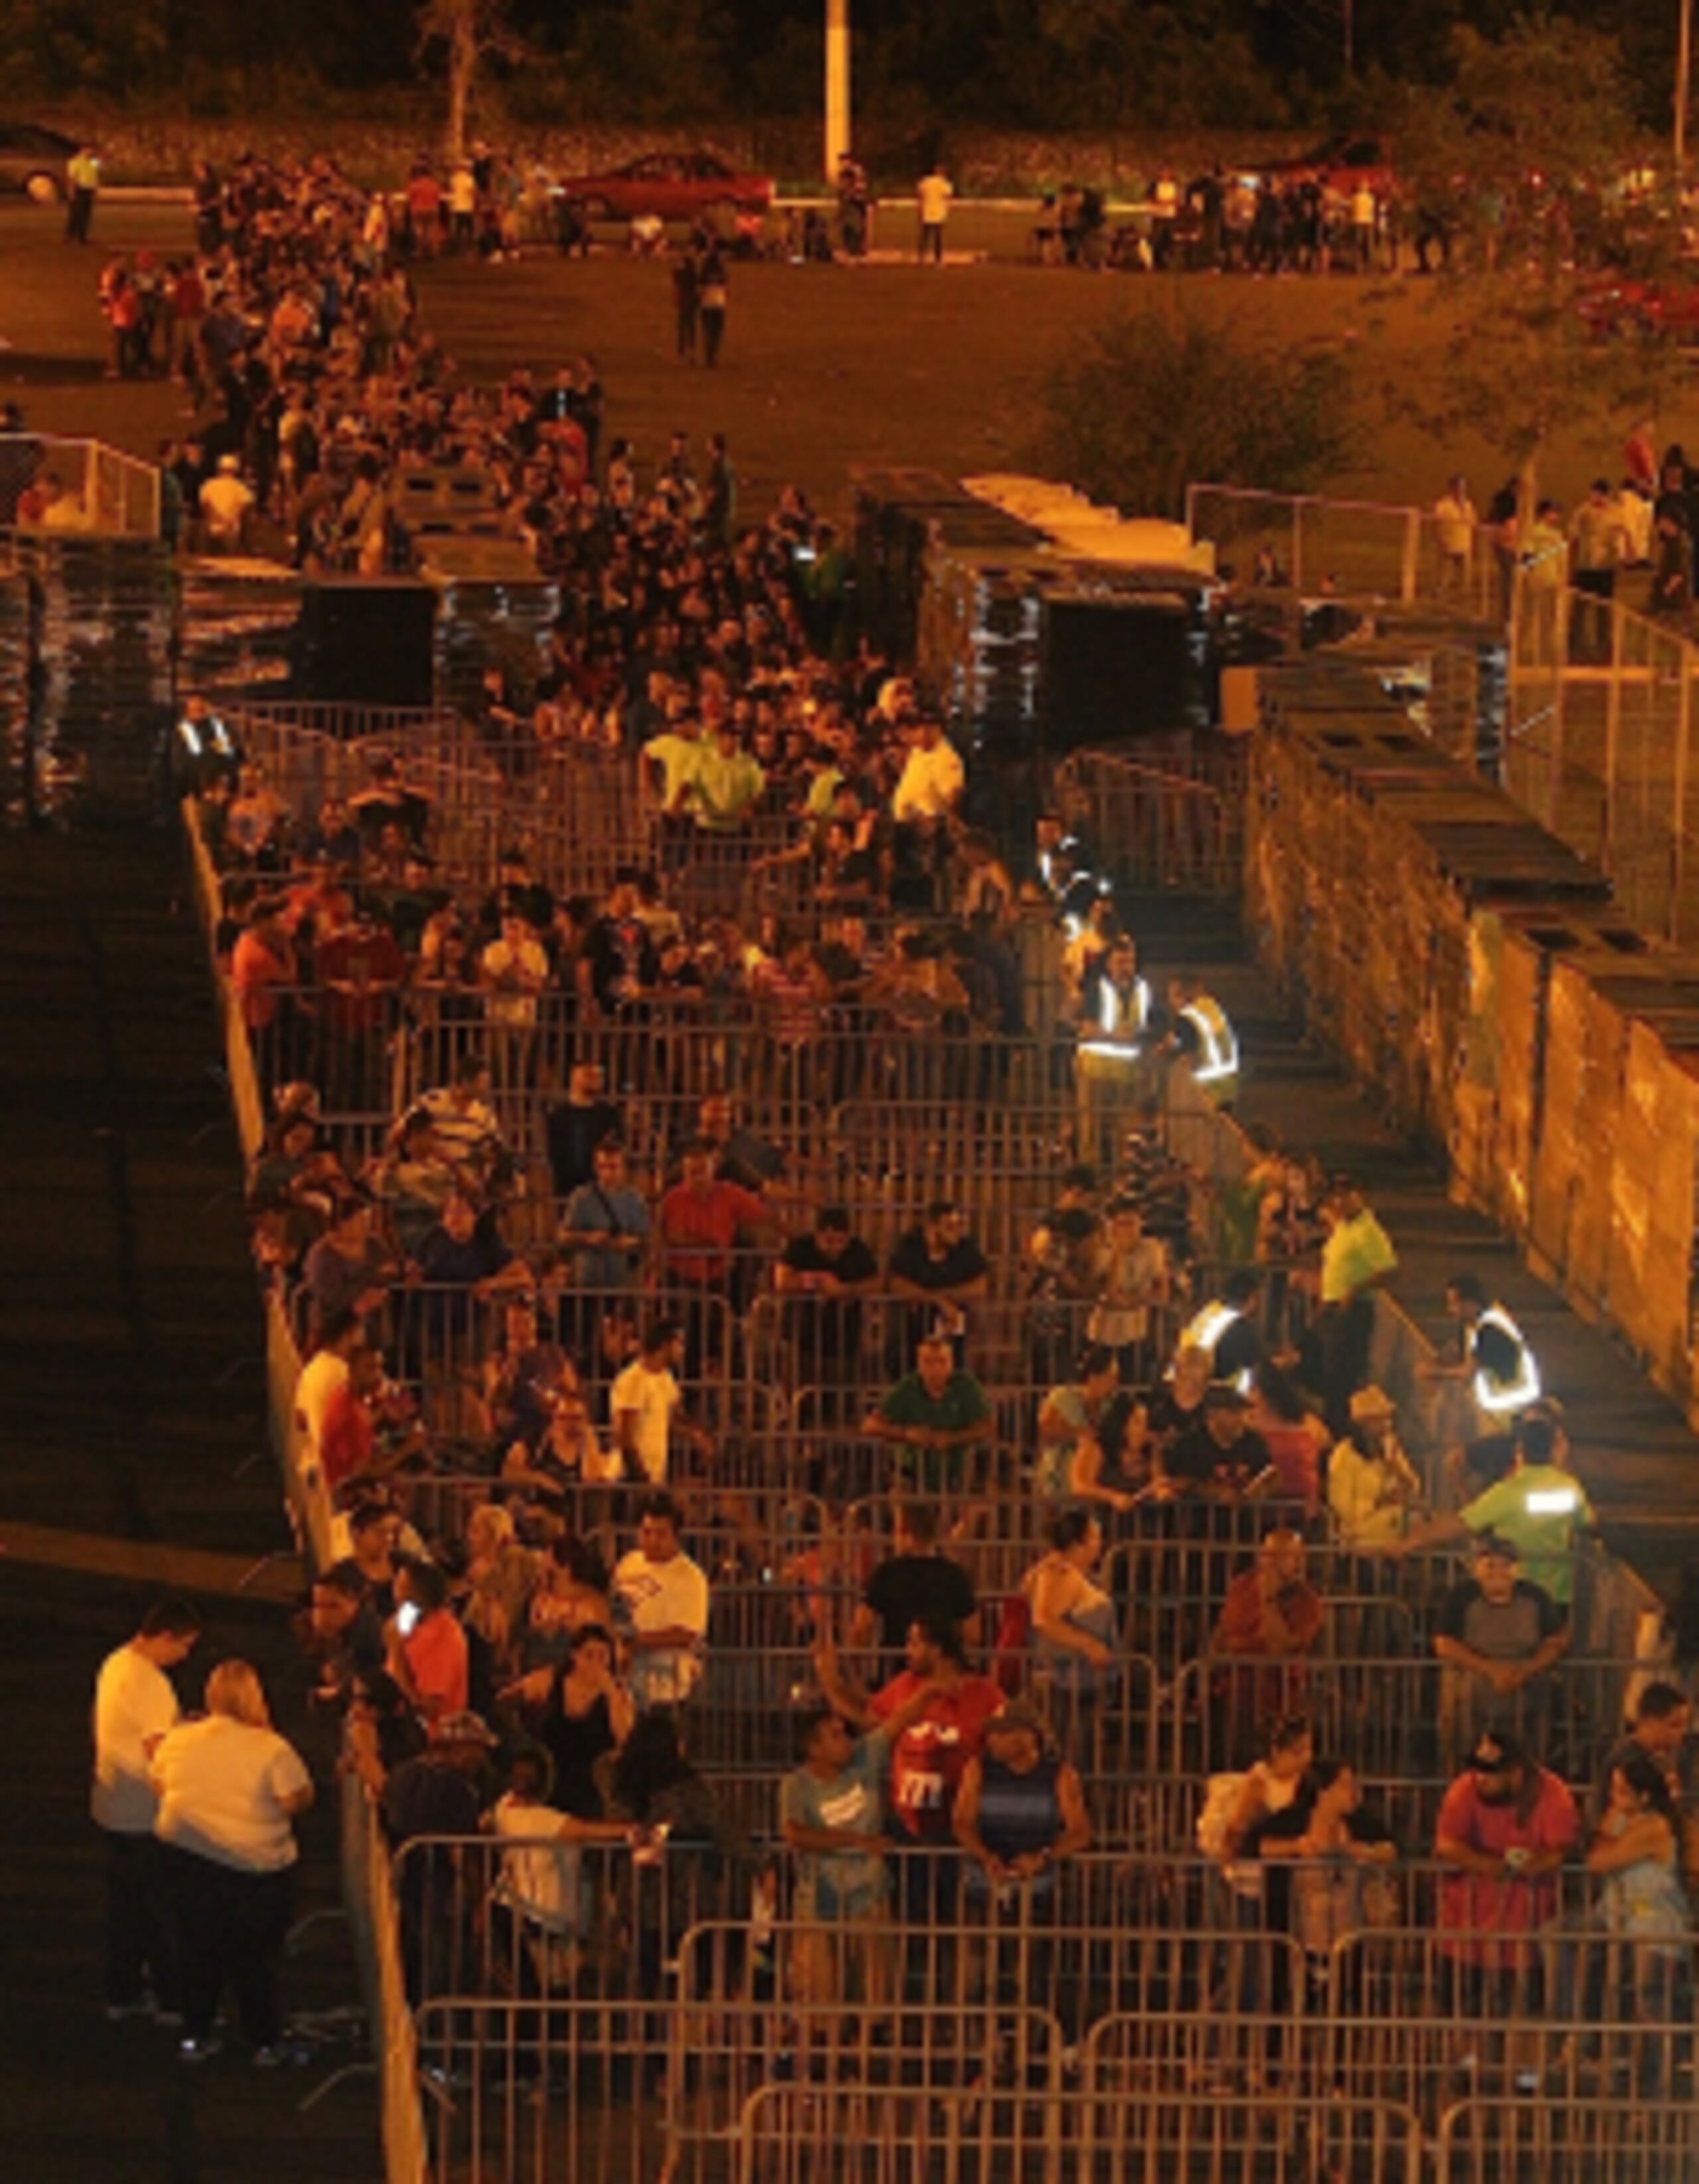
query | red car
(1617,304)
(673,186)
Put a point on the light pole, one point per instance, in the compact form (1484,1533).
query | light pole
(1684,71)
(836,85)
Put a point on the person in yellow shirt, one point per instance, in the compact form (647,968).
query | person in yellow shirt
(82,180)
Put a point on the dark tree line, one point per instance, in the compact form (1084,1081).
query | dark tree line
(1020,63)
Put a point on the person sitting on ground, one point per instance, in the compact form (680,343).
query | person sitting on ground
(933,1416)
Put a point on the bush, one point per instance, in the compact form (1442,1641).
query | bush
(1157,400)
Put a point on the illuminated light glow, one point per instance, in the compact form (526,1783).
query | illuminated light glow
(1551,1502)
(1218,1055)
(1498,1398)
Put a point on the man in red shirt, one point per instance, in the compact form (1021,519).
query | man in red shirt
(700,1220)
(362,968)
(929,1758)
(1504,1827)
(346,1440)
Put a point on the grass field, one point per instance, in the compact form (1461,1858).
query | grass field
(824,367)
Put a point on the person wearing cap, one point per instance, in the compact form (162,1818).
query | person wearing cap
(1498,1637)
(1372,1483)
(226,503)
(1504,1827)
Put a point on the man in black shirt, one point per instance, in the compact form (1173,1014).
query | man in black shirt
(577,1125)
(1219,1458)
(915,1581)
(618,961)
(939,1268)
(434,1796)
(823,1276)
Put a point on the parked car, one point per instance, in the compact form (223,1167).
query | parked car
(32,161)
(1616,304)
(670,185)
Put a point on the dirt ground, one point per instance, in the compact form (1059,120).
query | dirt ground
(824,367)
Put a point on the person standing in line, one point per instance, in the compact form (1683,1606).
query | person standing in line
(135,1707)
(686,299)
(82,176)
(712,299)
(230,1789)
(933,194)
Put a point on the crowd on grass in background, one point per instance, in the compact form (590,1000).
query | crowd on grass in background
(848,1527)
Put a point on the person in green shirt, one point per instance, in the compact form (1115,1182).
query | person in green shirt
(728,783)
(1539,1506)
(932,1414)
(676,751)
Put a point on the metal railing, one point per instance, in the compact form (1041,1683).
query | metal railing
(101,491)
(1160,828)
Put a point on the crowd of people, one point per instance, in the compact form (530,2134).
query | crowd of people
(856,1537)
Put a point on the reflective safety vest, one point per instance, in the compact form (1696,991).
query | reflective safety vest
(1217,1061)
(1204,1332)
(1499,1394)
(211,736)
(1122,1019)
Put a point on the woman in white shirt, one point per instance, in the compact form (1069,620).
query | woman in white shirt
(229,1789)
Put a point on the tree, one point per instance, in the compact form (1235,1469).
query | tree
(468,31)
(1530,154)
(1158,400)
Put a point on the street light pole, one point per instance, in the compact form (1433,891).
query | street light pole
(1683,72)
(836,85)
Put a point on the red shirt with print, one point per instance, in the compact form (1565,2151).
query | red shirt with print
(932,1754)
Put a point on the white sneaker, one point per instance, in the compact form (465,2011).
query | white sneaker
(196,2052)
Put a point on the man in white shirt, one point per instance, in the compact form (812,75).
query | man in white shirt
(661,1605)
(932,778)
(643,1403)
(134,1706)
(224,505)
(933,194)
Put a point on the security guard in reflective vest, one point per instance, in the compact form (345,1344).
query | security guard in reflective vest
(1200,1032)
(1503,1375)
(200,750)
(1114,1012)
(1226,1330)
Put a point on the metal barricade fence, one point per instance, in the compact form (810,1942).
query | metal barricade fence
(1597,2141)
(1158,827)
(1350,549)
(369,1897)
(1529,1998)
(1070,2136)
(118,495)
(1412,1720)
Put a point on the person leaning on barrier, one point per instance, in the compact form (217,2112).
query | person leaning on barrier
(1498,1636)
(1505,1826)
(1662,1727)
(933,1416)
(660,1602)
(917,1577)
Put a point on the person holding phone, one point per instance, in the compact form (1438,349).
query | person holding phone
(427,1651)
